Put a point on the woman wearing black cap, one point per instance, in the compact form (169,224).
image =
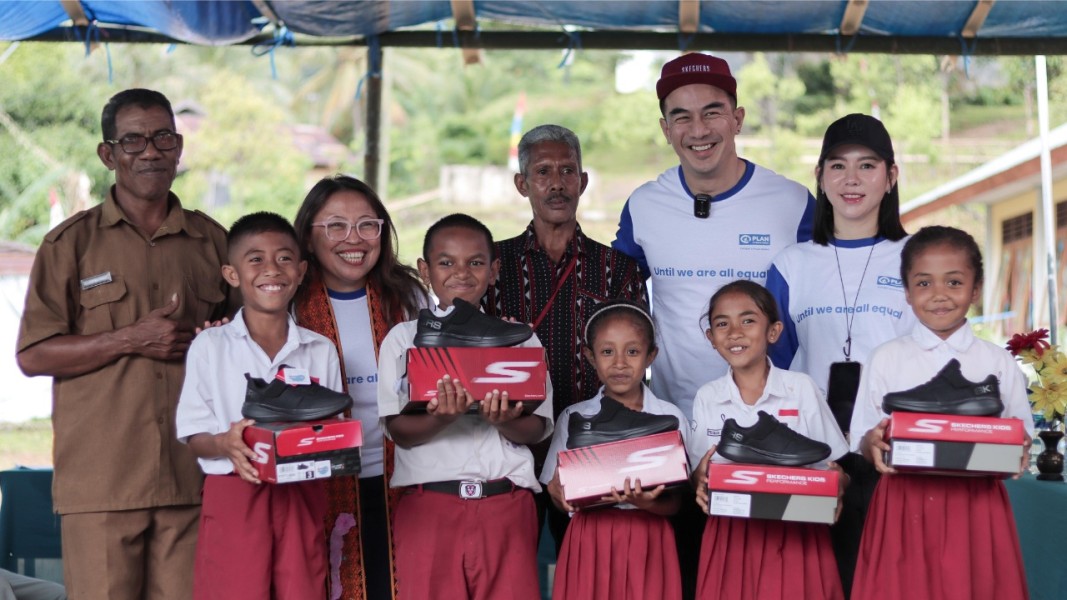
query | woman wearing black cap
(841,294)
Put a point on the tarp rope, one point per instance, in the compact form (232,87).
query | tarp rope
(282,37)
(93,35)
(967,52)
(374,63)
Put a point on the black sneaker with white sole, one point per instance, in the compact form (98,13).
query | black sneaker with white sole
(615,422)
(467,327)
(949,393)
(279,401)
(769,442)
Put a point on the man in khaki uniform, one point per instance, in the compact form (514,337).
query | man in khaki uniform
(114,296)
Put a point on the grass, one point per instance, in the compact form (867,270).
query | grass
(1000,121)
(28,444)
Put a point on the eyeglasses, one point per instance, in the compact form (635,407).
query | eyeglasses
(135,143)
(338,230)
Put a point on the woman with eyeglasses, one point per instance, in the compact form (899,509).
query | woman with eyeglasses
(356,289)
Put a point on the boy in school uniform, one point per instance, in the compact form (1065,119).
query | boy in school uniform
(450,544)
(256,541)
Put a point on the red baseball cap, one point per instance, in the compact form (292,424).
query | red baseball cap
(696,68)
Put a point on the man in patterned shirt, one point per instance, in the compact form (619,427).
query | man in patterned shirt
(552,275)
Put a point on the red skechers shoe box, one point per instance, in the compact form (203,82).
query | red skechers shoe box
(589,473)
(288,452)
(521,372)
(953,445)
(772,493)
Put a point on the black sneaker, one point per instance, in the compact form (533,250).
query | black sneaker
(615,422)
(280,401)
(467,327)
(949,393)
(769,442)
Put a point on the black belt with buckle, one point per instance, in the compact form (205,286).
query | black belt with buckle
(469,490)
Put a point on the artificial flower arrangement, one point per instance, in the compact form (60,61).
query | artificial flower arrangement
(1048,394)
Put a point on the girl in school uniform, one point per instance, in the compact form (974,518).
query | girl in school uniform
(626,551)
(926,536)
(755,559)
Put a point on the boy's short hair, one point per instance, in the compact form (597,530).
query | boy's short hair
(256,223)
(463,221)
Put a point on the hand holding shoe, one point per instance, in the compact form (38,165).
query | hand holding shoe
(635,494)
(496,410)
(700,480)
(452,400)
(874,447)
(555,491)
(233,447)
(842,483)
(1024,465)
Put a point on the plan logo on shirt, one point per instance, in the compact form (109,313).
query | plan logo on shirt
(887,281)
(754,240)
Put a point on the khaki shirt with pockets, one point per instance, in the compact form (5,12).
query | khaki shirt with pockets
(115,445)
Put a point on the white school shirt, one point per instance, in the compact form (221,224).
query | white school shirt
(689,259)
(587,408)
(804,280)
(468,448)
(215,383)
(789,396)
(914,359)
(361,371)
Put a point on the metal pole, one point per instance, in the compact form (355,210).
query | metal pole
(1048,210)
(372,157)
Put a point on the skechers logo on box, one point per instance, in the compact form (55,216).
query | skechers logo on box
(887,281)
(754,239)
(649,458)
(507,371)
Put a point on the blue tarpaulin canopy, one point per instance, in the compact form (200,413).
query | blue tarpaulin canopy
(953,26)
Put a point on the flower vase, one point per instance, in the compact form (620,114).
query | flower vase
(1050,461)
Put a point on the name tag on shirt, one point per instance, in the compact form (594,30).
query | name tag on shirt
(294,376)
(90,282)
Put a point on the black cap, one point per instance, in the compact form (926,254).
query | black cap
(860,129)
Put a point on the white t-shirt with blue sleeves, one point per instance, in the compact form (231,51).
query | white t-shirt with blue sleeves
(689,259)
(804,280)
(361,371)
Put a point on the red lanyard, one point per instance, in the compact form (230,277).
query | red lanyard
(555,292)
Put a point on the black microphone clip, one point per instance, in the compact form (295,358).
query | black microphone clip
(702,206)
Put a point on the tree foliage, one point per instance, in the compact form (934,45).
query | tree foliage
(440,111)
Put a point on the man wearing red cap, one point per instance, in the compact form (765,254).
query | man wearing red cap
(713,219)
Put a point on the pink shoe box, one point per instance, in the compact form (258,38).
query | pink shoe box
(953,445)
(589,473)
(521,372)
(288,452)
(774,493)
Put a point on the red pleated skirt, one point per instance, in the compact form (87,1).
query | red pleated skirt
(756,559)
(613,554)
(944,538)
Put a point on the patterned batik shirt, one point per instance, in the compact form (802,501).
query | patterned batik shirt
(526,282)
